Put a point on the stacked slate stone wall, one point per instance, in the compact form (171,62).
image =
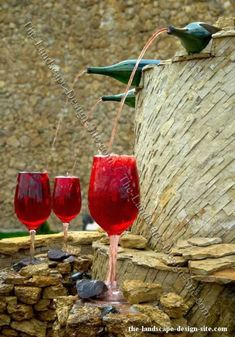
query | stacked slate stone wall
(185,145)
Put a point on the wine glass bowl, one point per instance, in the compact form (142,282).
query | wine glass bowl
(114,192)
(32,201)
(66,201)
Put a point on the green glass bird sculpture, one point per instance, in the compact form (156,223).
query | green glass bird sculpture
(195,36)
(122,71)
(130,98)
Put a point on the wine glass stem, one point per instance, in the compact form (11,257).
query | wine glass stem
(111,278)
(65,228)
(32,233)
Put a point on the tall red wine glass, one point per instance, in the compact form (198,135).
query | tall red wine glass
(32,202)
(66,201)
(113,202)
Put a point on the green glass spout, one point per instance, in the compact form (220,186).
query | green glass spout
(130,98)
(122,71)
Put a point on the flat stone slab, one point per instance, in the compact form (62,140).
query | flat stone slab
(13,245)
(32,327)
(133,241)
(213,251)
(84,237)
(208,266)
(222,277)
(183,244)
(169,260)
(37,269)
(145,258)
(136,291)
(204,242)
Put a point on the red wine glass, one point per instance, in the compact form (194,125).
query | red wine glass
(113,202)
(66,201)
(32,202)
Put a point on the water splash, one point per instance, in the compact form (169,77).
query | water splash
(146,46)
(89,116)
(57,129)
(90,113)
(58,126)
(74,165)
(76,78)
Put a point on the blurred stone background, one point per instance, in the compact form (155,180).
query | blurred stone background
(76,33)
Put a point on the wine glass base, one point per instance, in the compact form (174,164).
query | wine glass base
(113,297)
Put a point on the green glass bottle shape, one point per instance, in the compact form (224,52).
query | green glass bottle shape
(195,36)
(130,98)
(122,71)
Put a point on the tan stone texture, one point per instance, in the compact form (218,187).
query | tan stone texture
(20,312)
(54,291)
(187,161)
(157,316)
(173,305)
(133,241)
(136,291)
(208,266)
(32,327)
(28,295)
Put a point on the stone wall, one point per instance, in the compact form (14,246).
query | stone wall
(75,34)
(192,286)
(31,297)
(185,121)
(198,269)
(15,249)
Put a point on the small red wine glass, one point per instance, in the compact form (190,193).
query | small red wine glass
(32,202)
(66,201)
(114,199)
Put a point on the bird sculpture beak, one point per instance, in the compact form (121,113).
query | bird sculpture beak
(172,30)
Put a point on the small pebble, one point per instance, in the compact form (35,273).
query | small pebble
(90,288)
(57,255)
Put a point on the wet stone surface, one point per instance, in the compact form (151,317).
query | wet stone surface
(90,288)
(110,309)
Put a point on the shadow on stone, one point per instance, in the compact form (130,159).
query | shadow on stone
(25,262)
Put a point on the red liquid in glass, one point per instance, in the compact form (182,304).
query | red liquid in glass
(32,199)
(66,202)
(114,192)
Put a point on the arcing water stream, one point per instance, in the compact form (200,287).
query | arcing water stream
(119,111)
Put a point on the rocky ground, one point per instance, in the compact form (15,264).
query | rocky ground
(41,300)
(52,298)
